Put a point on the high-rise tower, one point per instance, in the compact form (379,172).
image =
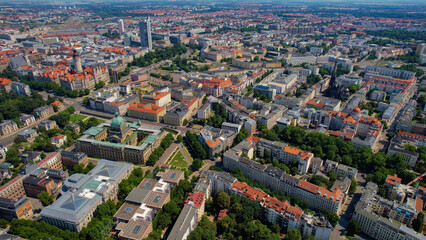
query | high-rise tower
(121,26)
(145,33)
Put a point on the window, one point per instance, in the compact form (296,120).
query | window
(136,229)
(157,199)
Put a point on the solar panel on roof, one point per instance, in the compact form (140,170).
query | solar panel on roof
(173,175)
(147,185)
(128,209)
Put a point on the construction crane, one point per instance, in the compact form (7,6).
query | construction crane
(417,179)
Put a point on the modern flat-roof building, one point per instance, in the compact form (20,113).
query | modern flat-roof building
(82,193)
(134,218)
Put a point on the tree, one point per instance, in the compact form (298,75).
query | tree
(180,138)
(223,200)
(353,228)
(309,237)
(45,198)
(418,222)
(12,156)
(332,217)
(197,164)
(352,189)
(293,234)
(353,88)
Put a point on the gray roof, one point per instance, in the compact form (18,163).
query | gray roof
(138,195)
(17,61)
(71,208)
(183,223)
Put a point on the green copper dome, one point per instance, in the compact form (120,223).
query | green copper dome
(118,121)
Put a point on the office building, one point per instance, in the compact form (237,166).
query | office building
(19,208)
(82,193)
(120,26)
(145,33)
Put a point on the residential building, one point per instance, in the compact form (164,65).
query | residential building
(370,211)
(389,72)
(184,224)
(268,91)
(350,172)
(26,119)
(27,135)
(43,112)
(204,111)
(276,179)
(8,127)
(273,210)
(5,84)
(47,125)
(396,146)
(58,140)
(20,88)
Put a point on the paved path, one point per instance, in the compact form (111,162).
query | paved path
(166,155)
(185,154)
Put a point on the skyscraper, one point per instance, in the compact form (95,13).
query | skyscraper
(145,33)
(121,26)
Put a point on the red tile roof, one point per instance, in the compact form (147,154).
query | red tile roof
(149,108)
(393,179)
(335,196)
(5,81)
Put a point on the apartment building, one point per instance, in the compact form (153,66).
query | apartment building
(274,178)
(367,213)
(215,140)
(396,146)
(47,125)
(286,154)
(27,135)
(7,127)
(43,112)
(273,210)
(390,72)
(26,119)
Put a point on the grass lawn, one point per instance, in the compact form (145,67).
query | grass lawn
(98,121)
(178,160)
(77,117)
